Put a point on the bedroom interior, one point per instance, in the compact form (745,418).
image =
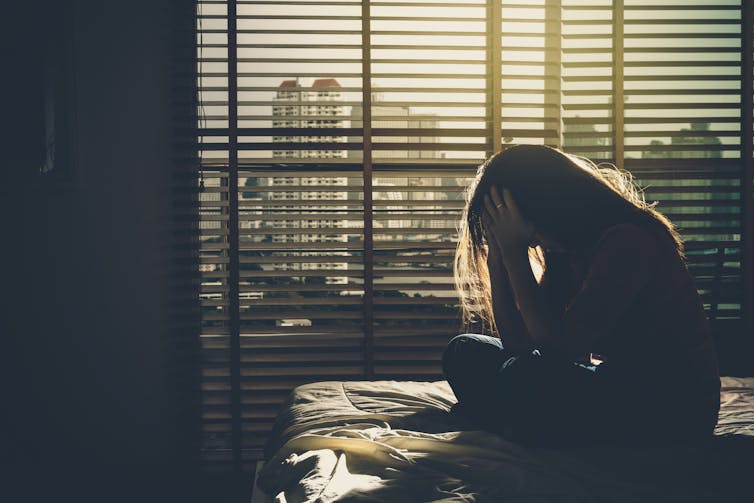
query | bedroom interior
(230,228)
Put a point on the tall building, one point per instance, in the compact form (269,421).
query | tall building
(413,189)
(398,118)
(309,105)
(297,105)
(300,104)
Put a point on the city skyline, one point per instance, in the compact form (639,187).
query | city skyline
(558,82)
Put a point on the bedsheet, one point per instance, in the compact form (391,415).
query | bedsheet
(395,441)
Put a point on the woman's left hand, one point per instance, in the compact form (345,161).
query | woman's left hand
(504,221)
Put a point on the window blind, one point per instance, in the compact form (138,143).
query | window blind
(336,138)
(682,74)
(428,110)
(591,69)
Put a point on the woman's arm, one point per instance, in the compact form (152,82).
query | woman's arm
(511,327)
(510,234)
(621,265)
(529,297)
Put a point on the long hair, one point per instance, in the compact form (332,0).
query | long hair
(566,197)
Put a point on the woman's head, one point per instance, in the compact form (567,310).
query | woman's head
(569,200)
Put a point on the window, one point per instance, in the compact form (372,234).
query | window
(336,139)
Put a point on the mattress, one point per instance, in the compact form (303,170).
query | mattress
(395,441)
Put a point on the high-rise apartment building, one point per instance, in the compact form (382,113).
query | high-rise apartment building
(298,105)
(309,105)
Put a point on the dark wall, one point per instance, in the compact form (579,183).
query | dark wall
(90,374)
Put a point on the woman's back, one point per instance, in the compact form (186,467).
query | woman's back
(635,304)
(660,318)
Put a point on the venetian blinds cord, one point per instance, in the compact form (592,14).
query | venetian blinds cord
(202,113)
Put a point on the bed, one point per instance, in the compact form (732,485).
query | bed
(395,441)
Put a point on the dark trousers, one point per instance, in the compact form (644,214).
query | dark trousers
(540,399)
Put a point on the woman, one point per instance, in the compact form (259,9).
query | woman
(599,334)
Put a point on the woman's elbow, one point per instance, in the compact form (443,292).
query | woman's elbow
(566,343)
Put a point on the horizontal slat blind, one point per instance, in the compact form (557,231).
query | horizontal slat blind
(415,216)
(429,131)
(428,81)
(530,74)
(324,294)
(301,285)
(215,335)
(300,212)
(587,78)
(301,237)
(212,81)
(682,137)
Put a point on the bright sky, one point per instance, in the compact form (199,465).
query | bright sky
(432,58)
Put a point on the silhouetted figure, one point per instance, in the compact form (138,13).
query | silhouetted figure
(597,331)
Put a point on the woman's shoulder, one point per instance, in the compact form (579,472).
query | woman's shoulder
(630,231)
(631,240)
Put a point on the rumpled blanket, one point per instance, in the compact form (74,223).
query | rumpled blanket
(395,441)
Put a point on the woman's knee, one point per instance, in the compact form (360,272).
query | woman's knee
(452,354)
(469,354)
(457,351)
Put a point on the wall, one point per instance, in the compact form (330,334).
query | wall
(92,405)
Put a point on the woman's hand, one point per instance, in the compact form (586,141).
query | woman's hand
(504,226)
(510,234)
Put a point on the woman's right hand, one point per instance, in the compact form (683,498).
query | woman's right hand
(510,326)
